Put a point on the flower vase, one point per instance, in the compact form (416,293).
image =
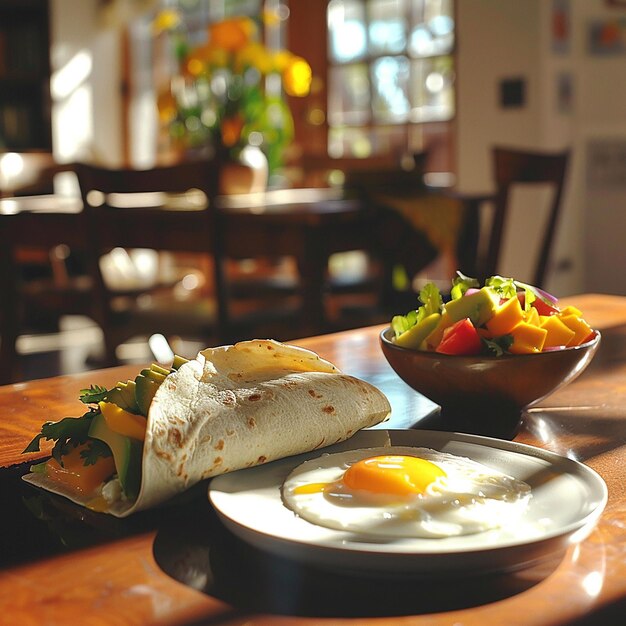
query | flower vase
(247,174)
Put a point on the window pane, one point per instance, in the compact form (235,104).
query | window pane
(432,94)
(390,77)
(349,142)
(347,37)
(349,95)
(366,142)
(432,30)
(387,26)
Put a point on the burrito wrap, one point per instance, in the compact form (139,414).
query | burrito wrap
(238,406)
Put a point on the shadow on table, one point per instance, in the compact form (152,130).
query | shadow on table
(198,551)
(194,548)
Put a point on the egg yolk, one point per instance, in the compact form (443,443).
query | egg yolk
(393,475)
(389,475)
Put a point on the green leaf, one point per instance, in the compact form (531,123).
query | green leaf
(461,284)
(431,299)
(504,287)
(432,302)
(67,433)
(499,345)
(93,395)
(95,450)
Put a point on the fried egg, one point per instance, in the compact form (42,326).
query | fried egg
(403,492)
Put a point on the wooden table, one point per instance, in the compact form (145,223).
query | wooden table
(64,566)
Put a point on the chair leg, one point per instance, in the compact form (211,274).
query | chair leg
(9,358)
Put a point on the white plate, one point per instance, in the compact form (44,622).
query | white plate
(567,499)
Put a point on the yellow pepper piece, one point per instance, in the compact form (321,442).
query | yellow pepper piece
(581,329)
(506,317)
(558,333)
(123,422)
(527,338)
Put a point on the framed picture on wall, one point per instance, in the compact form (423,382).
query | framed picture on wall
(606,37)
(560,26)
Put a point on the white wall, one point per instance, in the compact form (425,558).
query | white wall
(86,107)
(508,38)
(601,116)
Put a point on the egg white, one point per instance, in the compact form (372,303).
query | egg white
(471,498)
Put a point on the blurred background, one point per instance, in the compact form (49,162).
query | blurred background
(128,83)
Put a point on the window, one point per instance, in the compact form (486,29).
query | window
(390,76)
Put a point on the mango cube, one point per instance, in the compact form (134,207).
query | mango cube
(532,316)
(506,317)
(558,333)
(581,329)
(527,338)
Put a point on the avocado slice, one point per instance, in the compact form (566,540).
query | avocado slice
(178,361)
(145,388)
(160,370)
(127,454)
(413,337)
(479,306)
(153,374)
(123,394)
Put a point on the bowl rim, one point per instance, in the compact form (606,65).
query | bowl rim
(503,357)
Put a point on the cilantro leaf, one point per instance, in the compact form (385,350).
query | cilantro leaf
(94,450)
(499,345)
(67,433)
(93,395)
(504,287)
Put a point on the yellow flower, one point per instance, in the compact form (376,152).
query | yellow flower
(271,17)
(255,55)
(232,34)
(297,77)
(282,59)
(168,19)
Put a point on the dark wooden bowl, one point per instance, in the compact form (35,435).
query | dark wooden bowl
(486,395)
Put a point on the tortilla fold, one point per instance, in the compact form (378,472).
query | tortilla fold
(238,406)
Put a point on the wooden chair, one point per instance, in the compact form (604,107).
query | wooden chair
(394,241)
(37,284)
(163,209)
(513,167)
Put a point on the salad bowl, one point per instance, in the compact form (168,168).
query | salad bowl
(486,394)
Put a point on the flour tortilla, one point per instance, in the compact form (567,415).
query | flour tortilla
(238,406)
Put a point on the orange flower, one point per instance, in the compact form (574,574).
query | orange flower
(232,34)
(297,77)
(166,107)
(231,130)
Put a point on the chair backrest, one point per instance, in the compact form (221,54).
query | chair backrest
(512,167)
(166,208)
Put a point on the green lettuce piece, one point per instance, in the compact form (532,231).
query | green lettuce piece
(432,302)
(461,284)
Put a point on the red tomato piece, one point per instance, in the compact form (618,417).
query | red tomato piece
(543,308)
(461,338)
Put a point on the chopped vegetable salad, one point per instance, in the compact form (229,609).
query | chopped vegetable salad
(504,316)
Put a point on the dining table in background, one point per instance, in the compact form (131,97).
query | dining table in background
(308,225)
(61,564)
